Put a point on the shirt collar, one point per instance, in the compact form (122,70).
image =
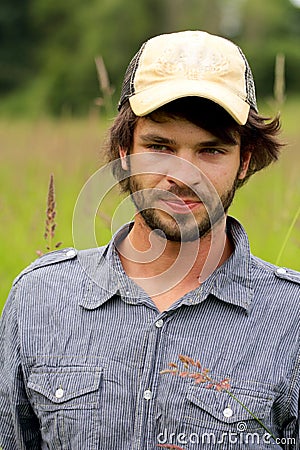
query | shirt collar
(105,274)
(231,282)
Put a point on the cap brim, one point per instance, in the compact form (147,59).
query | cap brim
(147,101)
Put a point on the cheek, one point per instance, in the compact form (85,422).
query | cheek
(223,179)
(146,181)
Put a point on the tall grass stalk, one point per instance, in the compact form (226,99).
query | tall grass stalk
(279,80)
(287,236)
(50,225)
(105,87)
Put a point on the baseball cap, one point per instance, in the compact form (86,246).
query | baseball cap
(189,63)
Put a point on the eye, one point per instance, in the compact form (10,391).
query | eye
(159,148)
(212,151)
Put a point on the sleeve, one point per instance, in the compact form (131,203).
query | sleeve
(19,428)
(291,432)
(291,435)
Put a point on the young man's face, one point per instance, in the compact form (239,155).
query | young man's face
(182,197)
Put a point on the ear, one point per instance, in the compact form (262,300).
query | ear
(123,157)
(244,165)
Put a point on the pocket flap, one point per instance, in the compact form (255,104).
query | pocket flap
(62,384)
(227,409)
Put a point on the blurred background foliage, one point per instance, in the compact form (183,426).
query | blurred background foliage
(54,114)
(48,47)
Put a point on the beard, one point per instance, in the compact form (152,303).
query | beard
(180,227)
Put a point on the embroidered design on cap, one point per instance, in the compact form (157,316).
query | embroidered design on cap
(189,63)
(185,62)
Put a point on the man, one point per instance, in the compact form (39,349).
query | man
(89,338)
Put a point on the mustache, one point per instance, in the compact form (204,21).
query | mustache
(200,193)
(180,192)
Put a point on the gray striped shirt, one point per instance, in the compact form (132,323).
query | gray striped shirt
(82,347)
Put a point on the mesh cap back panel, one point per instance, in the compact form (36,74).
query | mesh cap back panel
(250,86)
(128,83)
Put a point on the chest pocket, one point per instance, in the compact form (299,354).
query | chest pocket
(219,412)
(67,401)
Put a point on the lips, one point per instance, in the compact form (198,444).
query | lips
(181,206)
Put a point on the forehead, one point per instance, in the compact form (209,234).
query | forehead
(169,125)
(175,128)
(203,114)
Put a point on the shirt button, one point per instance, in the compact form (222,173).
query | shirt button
(59,393)
(227,412)
(281,271)
(159,323)
(70,253)
(147,394)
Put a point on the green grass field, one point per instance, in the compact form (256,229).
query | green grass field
(72,151)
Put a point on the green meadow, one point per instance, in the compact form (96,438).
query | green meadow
(72,149)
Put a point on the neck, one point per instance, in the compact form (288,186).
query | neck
(158,265)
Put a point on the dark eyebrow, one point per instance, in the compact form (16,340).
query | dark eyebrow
(158,139)
(214,142)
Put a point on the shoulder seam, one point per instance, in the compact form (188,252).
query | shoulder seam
(48,259)
(280,272)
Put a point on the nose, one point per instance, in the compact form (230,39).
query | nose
(183,172)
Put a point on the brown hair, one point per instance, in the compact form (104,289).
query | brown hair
(258,136)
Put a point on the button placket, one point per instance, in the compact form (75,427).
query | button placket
(147,394)
(159,323)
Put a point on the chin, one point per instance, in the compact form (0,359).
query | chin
(173,230)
